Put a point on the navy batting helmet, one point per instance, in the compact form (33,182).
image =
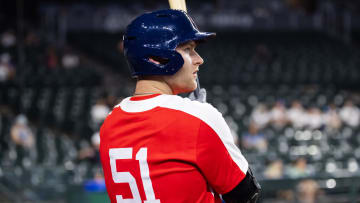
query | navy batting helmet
(156,35)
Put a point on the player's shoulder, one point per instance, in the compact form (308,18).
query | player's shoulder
(203,111)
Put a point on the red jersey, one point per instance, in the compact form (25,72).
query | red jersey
(165,148)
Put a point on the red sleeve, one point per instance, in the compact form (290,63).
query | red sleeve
(214,160)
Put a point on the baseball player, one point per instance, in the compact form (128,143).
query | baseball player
(159,147)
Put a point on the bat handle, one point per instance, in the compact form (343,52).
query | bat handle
(197,90)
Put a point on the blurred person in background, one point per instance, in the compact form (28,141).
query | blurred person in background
(308,191)
(21,133)
(99,112)
(254,140)
(8,39)
(350,114)
(23,137)
(274,170)
(260,116)
(299,169)
(278,115)
(314,118)
(296,114)
(332,118)
(89,151)
(7,70)
(97,183)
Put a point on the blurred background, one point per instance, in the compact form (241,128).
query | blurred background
(284,73)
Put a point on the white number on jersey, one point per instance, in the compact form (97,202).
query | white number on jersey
(126,177)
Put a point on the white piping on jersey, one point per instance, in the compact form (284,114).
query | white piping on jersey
(204,111)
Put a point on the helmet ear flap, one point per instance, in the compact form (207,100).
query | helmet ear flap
(158,60)
(169,62)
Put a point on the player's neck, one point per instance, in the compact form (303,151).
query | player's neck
(149,86)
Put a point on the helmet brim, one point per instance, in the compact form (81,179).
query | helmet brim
(199,37)
(203,36)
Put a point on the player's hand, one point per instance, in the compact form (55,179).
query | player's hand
(201,97)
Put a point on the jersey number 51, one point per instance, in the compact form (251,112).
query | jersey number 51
(126,177)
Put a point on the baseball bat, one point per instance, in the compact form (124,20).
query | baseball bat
(178,4)
(181,5)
